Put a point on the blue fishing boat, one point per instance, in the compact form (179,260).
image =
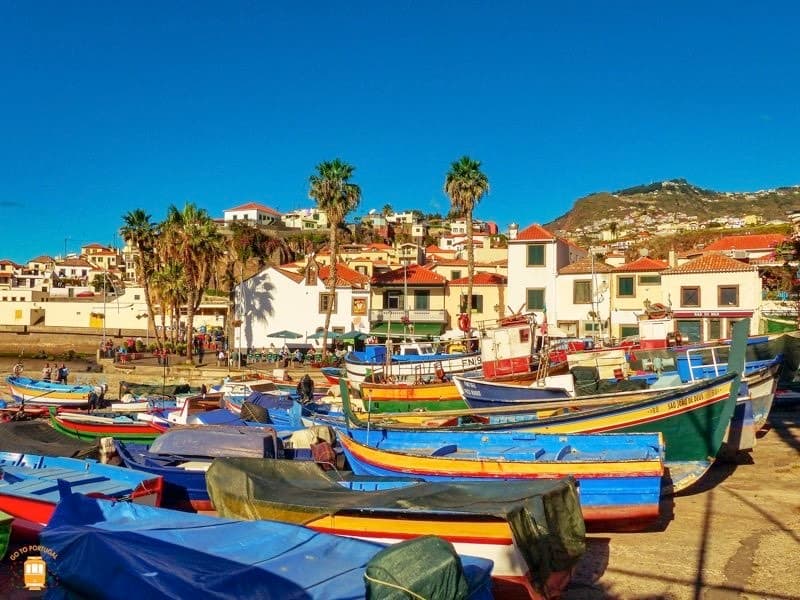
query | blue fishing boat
(38,392)
(32,485)
(496,520)
(620,475)
(181,456)
(155,553)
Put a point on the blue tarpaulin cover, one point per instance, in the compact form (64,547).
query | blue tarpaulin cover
(119,550)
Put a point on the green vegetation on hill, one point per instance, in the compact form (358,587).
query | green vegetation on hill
(662,200)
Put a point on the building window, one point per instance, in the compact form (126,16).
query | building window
(455,275)
(728,295)
(476,305)
(690,296)
(691,330)
(582,292)
(393,300)
(714,329)
(136,297)
(324,299)
(535,298)
(649,279)
(422,300)
(535,255)
(591,326)
(628,331)
(625,287)
(361,269)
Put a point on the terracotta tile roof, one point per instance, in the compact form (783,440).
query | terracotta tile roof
(5,261)
(449,262)
(534,232)
(644,263)
(42,259)
(713,262)
(434,249)
(482,278)
(345,276)
(379,246)
(762,241)
(585,266)
(96,245)
(255,206)
(74,262)
(294,276)
(416,275)
(503,262)
(572,244)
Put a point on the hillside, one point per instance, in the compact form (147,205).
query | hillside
(671,201)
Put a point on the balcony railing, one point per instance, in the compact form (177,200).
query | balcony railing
(417,316)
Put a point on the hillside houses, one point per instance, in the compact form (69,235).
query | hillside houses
(415,284)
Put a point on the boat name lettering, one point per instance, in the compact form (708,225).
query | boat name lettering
(681,402)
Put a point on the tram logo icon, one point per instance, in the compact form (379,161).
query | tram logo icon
(35,573)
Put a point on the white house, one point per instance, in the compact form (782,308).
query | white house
(534,258)
(278,299)
(710,293)
(401,218)
(306,218)
(584,298)
(252,213)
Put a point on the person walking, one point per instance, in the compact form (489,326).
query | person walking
(221,358)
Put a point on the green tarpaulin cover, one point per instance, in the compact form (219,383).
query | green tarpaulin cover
(544,515)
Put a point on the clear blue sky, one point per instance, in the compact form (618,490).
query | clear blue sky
(112,106)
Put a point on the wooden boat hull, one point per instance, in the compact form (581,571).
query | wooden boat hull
(31,486)
(184,488)
(91,430)
(332,374)
(475,518)
(398,397)
(614,491)
(411,371)
(218,557)
(479,393)
(36,392)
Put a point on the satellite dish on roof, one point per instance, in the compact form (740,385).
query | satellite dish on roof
(373,211)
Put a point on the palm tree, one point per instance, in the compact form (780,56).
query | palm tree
(337,196)
(141,232)
(169,286)
(191,238)
(387,210)
(466,184)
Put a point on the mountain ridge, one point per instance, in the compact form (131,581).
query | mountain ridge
(664,201)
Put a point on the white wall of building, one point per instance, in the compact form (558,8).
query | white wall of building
(270,301)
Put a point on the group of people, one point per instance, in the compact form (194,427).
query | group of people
(61,372)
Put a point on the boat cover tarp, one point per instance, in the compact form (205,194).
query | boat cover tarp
(37,437)
(545,515)
(406,566)
(154,389)
(119,550)
(218,440)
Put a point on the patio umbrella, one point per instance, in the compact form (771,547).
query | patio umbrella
(353,334)
(318,335)
(288,335)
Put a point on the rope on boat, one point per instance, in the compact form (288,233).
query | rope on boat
(395,586)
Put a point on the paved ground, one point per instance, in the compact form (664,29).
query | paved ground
(735,537)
